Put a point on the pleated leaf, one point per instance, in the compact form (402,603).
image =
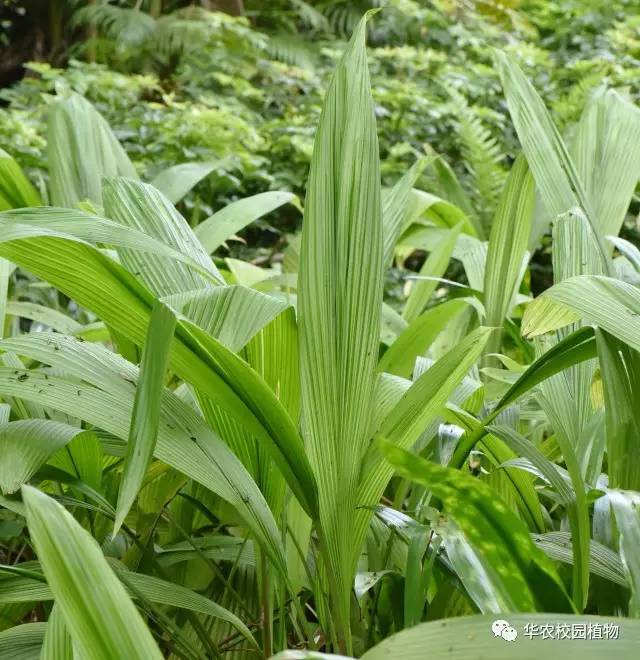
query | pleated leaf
(508,242)
(141,207)
(606,151)
(107,399)
(81,149)
(25,445)
(626,508)
(102,620)
(339,303)
(608,303)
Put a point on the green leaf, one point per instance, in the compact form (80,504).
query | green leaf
(395,207)
(339,304)
(466,637)
(25,445)
(232,314)
(626,508)
(22,642)
(435,266)
(107,396)
(577,347)
(16,190)
(227,222)
(603,561)
(82,227)
(527,579)
(508,242)
(141,207)
(415,339)
(608,303)
(103,286)
(97,611)
(553,170)
(145,418)
(46,315)
(606,150)
(523,447)
(409,415)
(57,643)
(176,181)
(620,371)
(81,149)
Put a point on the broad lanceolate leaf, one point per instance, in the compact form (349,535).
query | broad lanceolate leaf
(106,288)
(340,298)
(97,611)
(81,149)
(145,419)
(184,442)
(526,577)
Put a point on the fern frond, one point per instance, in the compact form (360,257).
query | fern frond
(310,16)
(129,27)
(290,50)
(483,158)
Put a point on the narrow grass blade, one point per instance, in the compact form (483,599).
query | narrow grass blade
(435,266)
(145,418)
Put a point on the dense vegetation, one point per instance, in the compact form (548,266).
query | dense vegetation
(317,348)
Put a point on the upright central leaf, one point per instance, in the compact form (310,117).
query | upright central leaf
(340,296)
